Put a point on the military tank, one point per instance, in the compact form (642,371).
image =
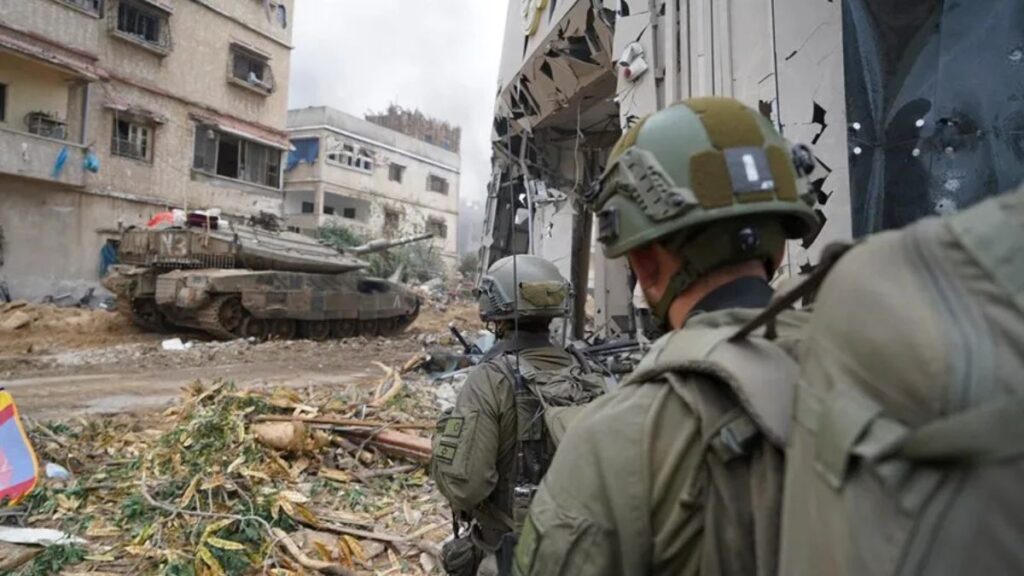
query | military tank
(242,281)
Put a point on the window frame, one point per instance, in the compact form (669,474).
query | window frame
(147,132)
(431,178)
(442,226)
(396,168)
(77,5)
(265,84)
(162,46)
(3,102)
(247,149)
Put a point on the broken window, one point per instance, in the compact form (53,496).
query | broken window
(307,207)
(130,139)
(94,7)
(251,69)
(228,155)
(437,184)
(140,23)
(923,137)
(349,157)
(395,172)
(392,221)
(437,227)
(3,102)
(349,213)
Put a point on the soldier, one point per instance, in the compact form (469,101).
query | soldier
(488,457)
(679,471)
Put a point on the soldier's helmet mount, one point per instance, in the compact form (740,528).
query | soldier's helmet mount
(712,180)
(529,287)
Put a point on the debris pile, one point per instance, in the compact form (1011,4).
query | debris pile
(233,481)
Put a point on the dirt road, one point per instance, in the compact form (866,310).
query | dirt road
(72,362)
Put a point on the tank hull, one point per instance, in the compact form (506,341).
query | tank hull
(233,303)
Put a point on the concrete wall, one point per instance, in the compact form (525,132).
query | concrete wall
(52,238)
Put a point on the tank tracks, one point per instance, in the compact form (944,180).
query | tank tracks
(225,318)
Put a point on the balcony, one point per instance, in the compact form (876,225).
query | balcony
(32,156)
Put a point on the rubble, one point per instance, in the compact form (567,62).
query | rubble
(231,481)
(15,321)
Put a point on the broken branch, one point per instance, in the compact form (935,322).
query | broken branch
(307,562)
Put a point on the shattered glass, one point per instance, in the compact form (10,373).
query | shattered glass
(935,102)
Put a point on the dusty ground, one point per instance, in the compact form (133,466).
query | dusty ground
(71,361)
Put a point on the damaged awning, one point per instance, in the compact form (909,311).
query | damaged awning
(119,104)
(242,129)
(25,46)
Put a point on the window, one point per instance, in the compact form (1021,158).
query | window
(349,157)
(437,227)
(94,7)
(3,102)
(395,172)
(142,24)
(349,213)
(329,210)
(251,69)
(392,221)
(130,139)
(281,14)
(437,184)
(46,124)
(233,157)
(307,207)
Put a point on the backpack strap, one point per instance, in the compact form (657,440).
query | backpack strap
(759,373)
(988,434)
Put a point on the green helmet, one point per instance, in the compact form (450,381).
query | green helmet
(709,178)
(542,291)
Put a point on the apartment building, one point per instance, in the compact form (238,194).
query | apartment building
(111,110)
(348,172)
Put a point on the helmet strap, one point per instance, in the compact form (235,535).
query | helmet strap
(713,248)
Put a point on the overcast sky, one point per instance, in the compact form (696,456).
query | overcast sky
(440,57)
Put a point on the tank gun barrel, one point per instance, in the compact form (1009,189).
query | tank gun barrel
(382,245)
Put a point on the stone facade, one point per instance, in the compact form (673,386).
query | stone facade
(131,85)
(349,172)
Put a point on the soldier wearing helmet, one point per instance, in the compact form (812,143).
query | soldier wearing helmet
(478,462)
(679,471)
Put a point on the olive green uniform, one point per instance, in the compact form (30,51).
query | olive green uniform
(474,462)
(627,492)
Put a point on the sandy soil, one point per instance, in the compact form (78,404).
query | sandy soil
(74,362)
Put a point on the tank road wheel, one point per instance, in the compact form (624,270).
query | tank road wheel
(369,328)
(387,326)
(282,329)
(316,330)
(222,317)
(343,328)
(256,328)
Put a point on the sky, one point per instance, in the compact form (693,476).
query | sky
(440,57)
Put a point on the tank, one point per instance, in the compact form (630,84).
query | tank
(237,281)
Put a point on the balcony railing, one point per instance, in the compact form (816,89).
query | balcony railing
(40,158)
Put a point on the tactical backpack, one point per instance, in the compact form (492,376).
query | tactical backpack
(546,403)
(742,401)
(905,452)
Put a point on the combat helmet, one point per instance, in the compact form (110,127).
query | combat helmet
(709,178)
(542,292)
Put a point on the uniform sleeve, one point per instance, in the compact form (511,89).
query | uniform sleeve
(465,447)
(612,501)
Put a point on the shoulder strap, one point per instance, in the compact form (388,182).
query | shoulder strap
(762,375)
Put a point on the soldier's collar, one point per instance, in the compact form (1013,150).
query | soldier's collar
(510,343)
(746,292)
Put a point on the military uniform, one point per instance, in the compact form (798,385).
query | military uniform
(474,462)
(680,470)
(626,493)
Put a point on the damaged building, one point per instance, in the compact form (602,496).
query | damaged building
(352,173)
(886,94)
(111,110)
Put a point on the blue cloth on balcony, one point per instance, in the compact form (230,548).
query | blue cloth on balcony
(305,150)
(92,162)
(58,165)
